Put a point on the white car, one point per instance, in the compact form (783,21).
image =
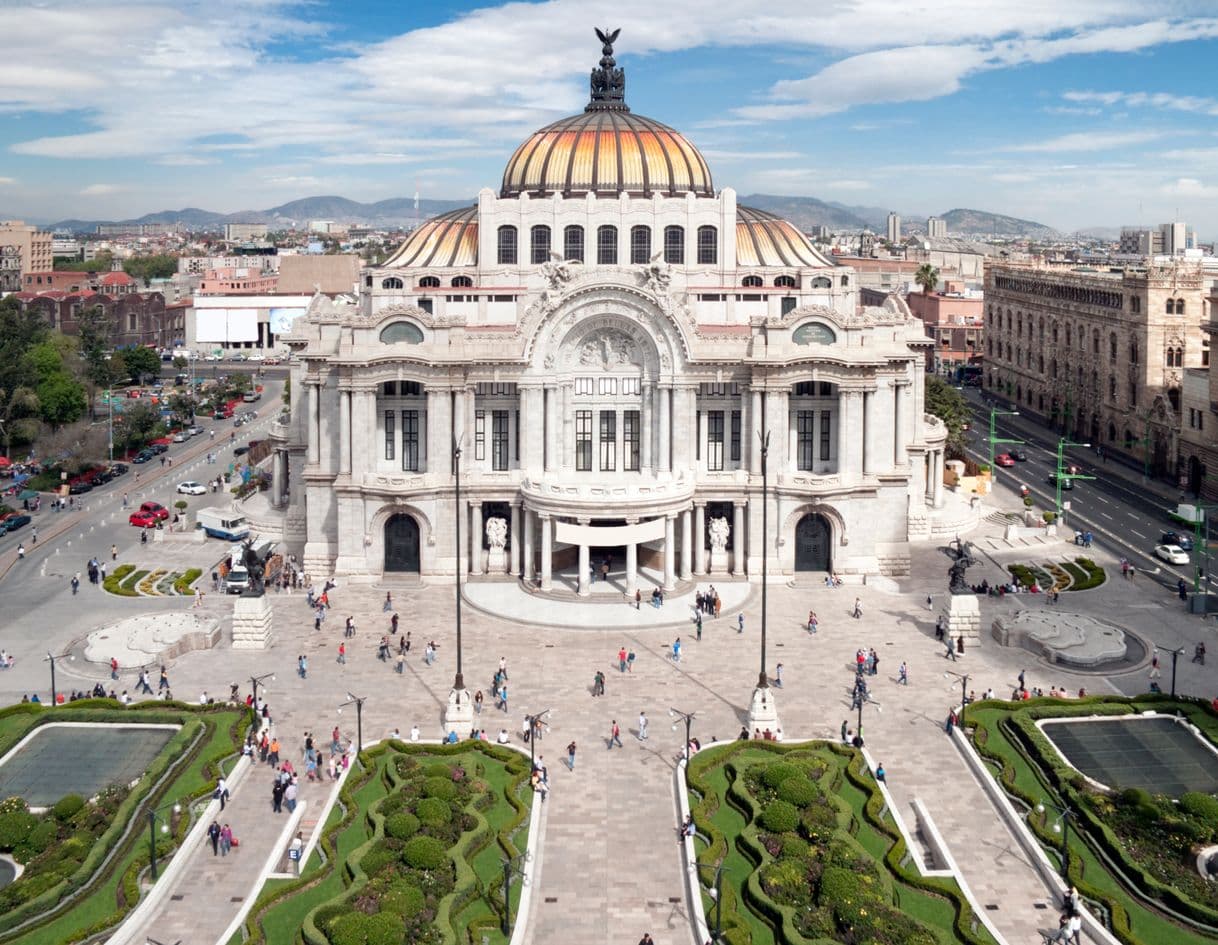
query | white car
(192,488)
(211,357)
(254,357)
(181,436)
(1172,554)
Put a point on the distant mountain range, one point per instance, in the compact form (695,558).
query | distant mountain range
(805,212)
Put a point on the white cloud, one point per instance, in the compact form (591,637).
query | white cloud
(1086,141)
(714,155)
(7,181)
(185,160)
(1189,187)
(1160,101)
(101,190)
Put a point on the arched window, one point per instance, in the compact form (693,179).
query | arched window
(1171,307)
(708,245)
(1112,389)
(785,282)
(1053,368)
(1095,341)
(674,245)
(606,245)
(1179,357)
(573,243)
(1173,396)
(401,333)
(1179,306)
(1171,357)
(1128,438)
(393,282)
(845,281)
(822,282)
(1019,324)
(752,282)
(1040,363)
(640,244)
(1111,432)
(1041,330)
(1112,348)
(1055,334)
(507,245)
(539,245)
(1095,382)
(1069,336)
(462,282)
(1133,352)
(429,282)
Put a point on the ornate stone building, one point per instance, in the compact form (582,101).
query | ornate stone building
(1098,355)
(607,339)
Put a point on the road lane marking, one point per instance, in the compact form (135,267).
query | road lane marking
(1107,516)
(1139,534)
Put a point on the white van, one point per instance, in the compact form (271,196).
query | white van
(223,523)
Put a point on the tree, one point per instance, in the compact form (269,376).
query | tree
(141,362)
(180,363)
(949,405)
(144,268)
(239,383)
(139,423)
(927,277)
(95,328)
(99,263)
(61,398)
(19,332)
(18,408)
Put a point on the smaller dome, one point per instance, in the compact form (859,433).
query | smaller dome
(117,278)
(451,239)
(763,239)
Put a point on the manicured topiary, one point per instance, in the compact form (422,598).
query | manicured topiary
(798,791)
(403,899)
(433,811)
(437,771)
(424,853)
(440,787)
(357,928)
(378,857)
(779,817)
(15,828)
(1202,806)
(402,826)
(40,838)
(68,807)
(794,847)
(775,774)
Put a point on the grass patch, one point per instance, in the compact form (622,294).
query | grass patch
(114,580)
(182,585)
(1094,574)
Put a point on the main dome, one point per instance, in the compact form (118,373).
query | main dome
(607,150)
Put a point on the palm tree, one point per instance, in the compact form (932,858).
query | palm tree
(927,277)
(16,405)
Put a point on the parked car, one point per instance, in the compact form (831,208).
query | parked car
(118,469)
(155,508)
(13,522)
(181,436)
(1172,554)
(192,488)
(79,486)
(1004,459)
(255,357)
(143,456)
(1067,482)
(1179,539)
(241,450)
(195,430)
(158,448)
(142,519)
(101,478)
(1019,456)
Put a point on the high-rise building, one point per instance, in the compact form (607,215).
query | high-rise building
(1169,239)
(237,232)
(894,228)
(936,228)
(22,249)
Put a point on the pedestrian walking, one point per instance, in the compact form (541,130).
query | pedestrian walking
(857,613)
(113,668)
(1155,671)
(951,650)
(1022,677)
(778,675)
(813,622)
(221,792)
(930,602)
(642,726)
(114,552)
(615,735)
(342,652)
(629,662)
(226,839)
(698,627)
(740,622)
(164,681)
(145,687)
(571,756)
(621,659)
(1199,653)
(638,598)
(478,702)
(503,698)
(302,666)
(75,583)
(388,605)
(903,675)
(676,650)
(213,834)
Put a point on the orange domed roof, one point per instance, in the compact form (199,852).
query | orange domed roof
(763,239)
(451,239)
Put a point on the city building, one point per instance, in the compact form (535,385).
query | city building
(963,259)
(936,228)
(1099,355)
(894,228)
(241,322)
(139,318)
(236,280)
(1198,461)
(239,232)
(617,348)
(22,249)
(329,275)
(953,321)
(199,265)
(1169,239)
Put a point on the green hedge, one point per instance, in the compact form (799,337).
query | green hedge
(114,581)
(182,584)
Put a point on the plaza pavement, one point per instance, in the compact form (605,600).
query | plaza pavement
(610,869)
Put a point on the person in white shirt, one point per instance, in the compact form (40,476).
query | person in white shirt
(203,699)
(504,737)
(414,733)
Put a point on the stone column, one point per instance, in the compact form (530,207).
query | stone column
(514,539)
(928,471)
(467,450)
(566,449)
(632,568)
(344,432)
(584,565)
(475,537)
(900,394)
(665,442)
(277,478)
(527,523)
(700,538)
(647,433)
(753,431)
(869,451)
(684,420)
(524,425)
(848,409)
(686,546)
(314,423)
(937,496)
(778,421)
(363,432)
(547,551)
(670,552)
(738,543)
(462,434)
(439,432)
(550,409)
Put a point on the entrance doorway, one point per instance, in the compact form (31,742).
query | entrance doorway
(812,537)
(1196,475)
(402,544)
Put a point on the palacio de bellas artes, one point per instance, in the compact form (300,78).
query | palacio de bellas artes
(611,360)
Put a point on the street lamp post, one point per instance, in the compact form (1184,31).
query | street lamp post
(53,659)
(152,819)
(688,719)
(358,702)
(964,678)
(716,893)
(459,713)
(510,869)
(1061,475)
(994,438)
(110,404)
(762,711)
(254,682)
(1064,826)
(532,723)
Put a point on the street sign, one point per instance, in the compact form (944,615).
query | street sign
(294,854)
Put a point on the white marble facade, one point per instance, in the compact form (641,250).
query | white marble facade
(610,405)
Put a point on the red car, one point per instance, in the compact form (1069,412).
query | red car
(1004,459)
(163,441)
(143,519)
(155,509)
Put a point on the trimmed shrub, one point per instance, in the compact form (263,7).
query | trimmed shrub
(798,791)
(433,811)
(356,928)
(378,858)
(41,838)
(1202,806)
(68,807)
(779,817)
(775,774)
(403,899)
(442,788)
(438,770)
(794,847)
(424,853)
(402,826)
(15,828)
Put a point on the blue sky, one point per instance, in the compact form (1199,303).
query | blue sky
(1079,113)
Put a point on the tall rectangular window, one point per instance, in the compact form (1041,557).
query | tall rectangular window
(824,434)
(583,440)
(499,440)
(507,245)
(714,440)
(674,245)
(735,436)
(480,435)
(540,244)
(389,434)
(640,244)
(516,437)
(608,440)
(606,245)
(573,243)
(410,440)
(805,422)
(630,440)
(708,245)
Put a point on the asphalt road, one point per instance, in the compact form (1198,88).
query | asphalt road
(1128,520)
